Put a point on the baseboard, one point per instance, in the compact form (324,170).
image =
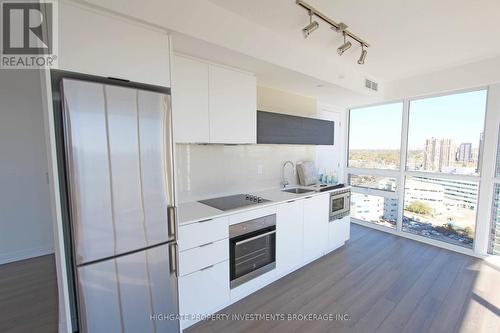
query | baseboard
(24,254)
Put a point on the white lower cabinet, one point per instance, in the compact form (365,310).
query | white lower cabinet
(203,232)
(203,256)
(338,232)
(315,228)
(289,239)
(203,268)
(303,233)
(203,292)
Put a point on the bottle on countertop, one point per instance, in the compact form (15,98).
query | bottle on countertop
(335,179)
(321,176)
(328,177)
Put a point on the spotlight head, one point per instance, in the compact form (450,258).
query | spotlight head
(310,28)
(344,47)
(362,57)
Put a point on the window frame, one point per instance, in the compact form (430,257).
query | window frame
(479,246)
(496,182)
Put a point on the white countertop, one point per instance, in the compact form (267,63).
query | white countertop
(190,212)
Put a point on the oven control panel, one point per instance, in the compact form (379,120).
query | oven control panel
(252,225)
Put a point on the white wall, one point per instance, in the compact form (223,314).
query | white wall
(273,100)
(207,171)
(472,75)
(328,157)
(25,216)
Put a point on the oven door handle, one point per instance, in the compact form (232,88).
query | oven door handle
(255,237)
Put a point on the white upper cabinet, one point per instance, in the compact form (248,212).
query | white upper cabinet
(233,106)
(212,104)
(190,100)
(102,44)
(316,226)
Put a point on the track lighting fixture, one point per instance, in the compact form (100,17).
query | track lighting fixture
(313,25)
(362,57)
(338,27)
(344,47)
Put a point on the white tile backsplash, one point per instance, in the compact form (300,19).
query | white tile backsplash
(208,171)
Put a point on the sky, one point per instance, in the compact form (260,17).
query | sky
(458,116)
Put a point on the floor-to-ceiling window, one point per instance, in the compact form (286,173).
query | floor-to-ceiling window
(415,165)
(374,162)
(445,136)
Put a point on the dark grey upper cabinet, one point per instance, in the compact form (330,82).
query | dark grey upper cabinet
(286,129)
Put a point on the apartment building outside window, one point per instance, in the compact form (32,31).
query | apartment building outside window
(424,179)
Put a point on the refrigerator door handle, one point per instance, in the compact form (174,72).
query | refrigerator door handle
(173,259)
(172,223)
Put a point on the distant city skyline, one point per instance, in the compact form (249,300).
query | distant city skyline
(441,154)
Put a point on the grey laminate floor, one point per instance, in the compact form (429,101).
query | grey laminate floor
(384,283)
(28,296)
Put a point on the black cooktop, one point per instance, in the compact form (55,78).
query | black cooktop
(234,201)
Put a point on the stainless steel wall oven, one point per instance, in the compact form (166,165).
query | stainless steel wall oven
(252,249)
(340,204)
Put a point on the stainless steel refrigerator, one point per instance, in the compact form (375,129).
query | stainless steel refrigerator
(119,170)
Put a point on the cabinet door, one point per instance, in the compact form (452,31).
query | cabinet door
(289,237)
(203,291)
(113,47)
(233,106)
(315,226)
(190,100)
(338,232)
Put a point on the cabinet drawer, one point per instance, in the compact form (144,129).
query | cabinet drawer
(203,291)
(203,232)
(203,256)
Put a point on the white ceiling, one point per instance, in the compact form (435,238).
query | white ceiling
(407,37)
(271,75)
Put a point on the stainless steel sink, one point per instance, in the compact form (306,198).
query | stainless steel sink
(297,190)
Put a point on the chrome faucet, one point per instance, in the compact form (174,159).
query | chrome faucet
(284,181)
